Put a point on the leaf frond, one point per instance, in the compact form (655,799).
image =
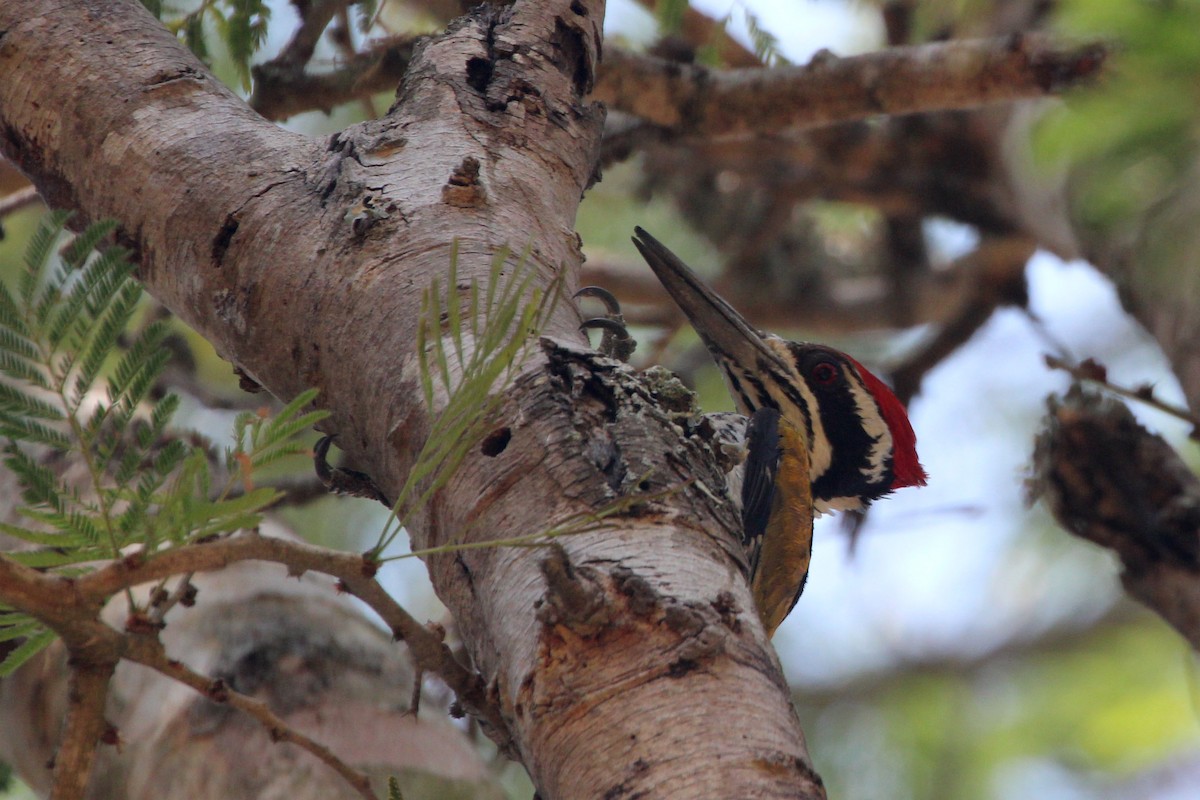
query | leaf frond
(36,643)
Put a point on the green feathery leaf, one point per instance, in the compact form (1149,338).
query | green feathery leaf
(14,402)
(38,253)
(11,317)
(107,330)
(19,629)
(27,430)
(77,252)
(36,643)
(502,331)
(766,45)
(39,485)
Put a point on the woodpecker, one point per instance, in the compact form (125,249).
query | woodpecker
(823,434)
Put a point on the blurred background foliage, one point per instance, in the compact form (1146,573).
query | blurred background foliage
(957,645)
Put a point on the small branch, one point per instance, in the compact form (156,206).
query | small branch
(356,576)
(58,601)
(696,101)
(50,598)
(1094,372)
(149,652)
(314,19)
(85,725)
(184,589)
(998,267)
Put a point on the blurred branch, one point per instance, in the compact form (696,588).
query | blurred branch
(700,30)
(21,198)
(19,584)
(998,272)
(1092,371)
(283,88)
(85,725)
(625,134)
(315,16)
(696,101)
(1110,481)
(983,278)
(1049,644)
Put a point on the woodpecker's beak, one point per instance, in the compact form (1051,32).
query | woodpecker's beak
(725,332)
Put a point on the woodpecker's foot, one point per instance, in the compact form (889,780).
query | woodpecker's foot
(344,481)
(615,341)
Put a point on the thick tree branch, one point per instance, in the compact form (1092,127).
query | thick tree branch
(695,101)
(1109,480)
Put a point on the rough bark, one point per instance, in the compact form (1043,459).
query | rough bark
(698,102)
(596,656)
(1110,481)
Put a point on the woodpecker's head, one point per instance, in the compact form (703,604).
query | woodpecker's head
(860,441)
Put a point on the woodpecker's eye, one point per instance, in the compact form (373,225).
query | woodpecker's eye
(824,373)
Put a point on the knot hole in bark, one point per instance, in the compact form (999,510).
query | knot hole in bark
(496,442)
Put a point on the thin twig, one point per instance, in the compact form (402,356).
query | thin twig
(1090,370)
(182,589)
(355,574)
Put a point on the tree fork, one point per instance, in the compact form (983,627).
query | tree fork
(241,229)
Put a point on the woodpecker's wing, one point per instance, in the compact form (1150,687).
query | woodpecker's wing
(777,514)
(758,481)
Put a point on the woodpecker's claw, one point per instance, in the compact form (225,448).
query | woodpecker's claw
(604,296)
(344,481)
(615,341)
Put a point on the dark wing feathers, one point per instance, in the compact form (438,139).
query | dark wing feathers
(758,481)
